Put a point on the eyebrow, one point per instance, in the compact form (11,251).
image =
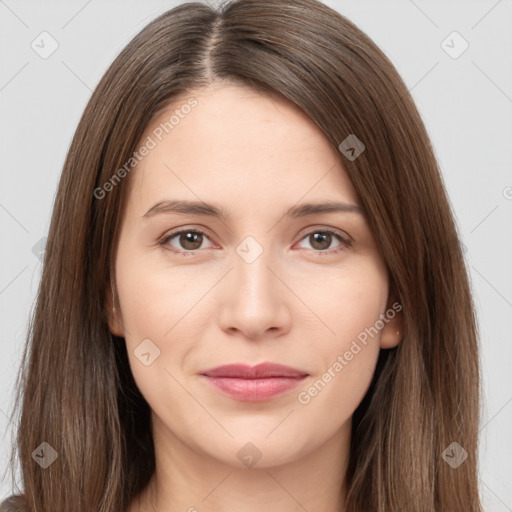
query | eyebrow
(210,210)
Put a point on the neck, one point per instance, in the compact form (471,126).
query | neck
(187,480)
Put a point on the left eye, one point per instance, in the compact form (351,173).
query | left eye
(192,240)
(323,238)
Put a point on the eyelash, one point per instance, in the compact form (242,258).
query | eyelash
(345,242)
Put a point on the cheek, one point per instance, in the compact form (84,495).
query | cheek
(349,306)
(154,318)
(153,294)
(163,303)
(344,301)
(150,307)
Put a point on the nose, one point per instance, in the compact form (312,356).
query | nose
(255,303)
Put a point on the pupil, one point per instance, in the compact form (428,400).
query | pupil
(191,238)
(323,238)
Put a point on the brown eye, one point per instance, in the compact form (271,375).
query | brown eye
(190,240)
(187,240)
(321,240)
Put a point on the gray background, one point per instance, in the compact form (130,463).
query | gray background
(466,103)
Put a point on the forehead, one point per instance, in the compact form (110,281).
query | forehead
(235,146)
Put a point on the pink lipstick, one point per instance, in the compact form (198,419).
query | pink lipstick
(254,383)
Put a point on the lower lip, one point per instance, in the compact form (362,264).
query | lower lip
(254,390)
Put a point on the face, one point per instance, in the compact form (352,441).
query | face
(253,284)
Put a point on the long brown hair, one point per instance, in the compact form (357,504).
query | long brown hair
(75,388)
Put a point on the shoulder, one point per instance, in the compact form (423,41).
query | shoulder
(14,503)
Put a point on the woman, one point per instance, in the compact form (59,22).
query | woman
(197,345)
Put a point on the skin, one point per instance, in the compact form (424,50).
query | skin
(255,156)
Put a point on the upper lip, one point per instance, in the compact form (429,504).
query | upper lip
(260,371)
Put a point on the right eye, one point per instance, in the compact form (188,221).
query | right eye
(189,239)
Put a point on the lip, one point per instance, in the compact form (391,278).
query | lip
(254,383)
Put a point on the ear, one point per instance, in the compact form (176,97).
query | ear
(115,321)
(393,330)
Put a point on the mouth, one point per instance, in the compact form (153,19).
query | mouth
(254,383)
